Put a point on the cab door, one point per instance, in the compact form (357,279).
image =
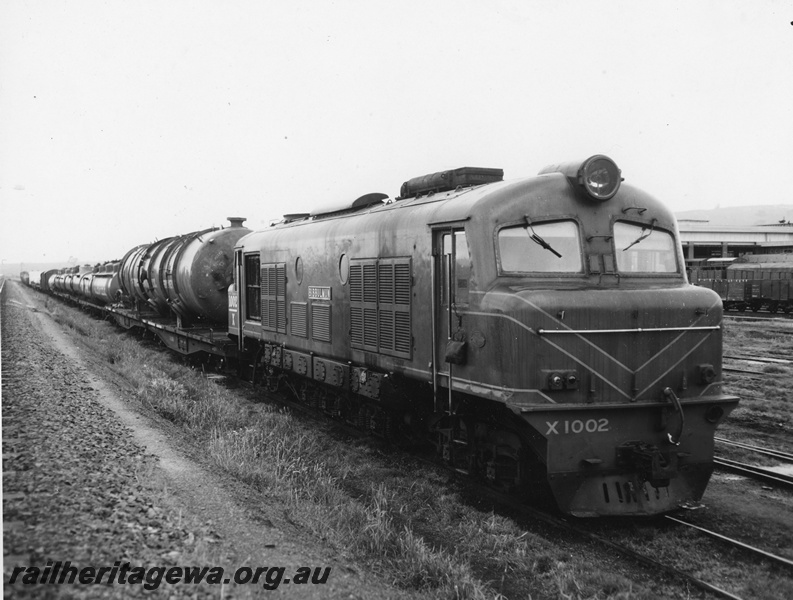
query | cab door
(452,273)
(235,322)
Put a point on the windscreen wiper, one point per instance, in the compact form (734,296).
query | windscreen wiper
(643,236)
(538,240)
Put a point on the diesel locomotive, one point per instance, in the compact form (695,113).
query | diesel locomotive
(540,333)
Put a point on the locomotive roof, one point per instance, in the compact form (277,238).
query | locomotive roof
(547,196)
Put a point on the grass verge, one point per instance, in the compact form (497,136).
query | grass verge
(410,526)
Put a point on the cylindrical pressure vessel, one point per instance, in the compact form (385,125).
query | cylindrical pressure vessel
(199,270)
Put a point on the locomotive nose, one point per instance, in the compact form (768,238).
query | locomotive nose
(632,392)
(618,349)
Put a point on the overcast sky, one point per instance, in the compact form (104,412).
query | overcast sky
(122,122)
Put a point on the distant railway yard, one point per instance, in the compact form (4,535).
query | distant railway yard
(388,524)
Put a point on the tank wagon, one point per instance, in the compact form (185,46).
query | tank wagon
(187,276)
(540,333)
(175,287)
(48,279)
(761,281)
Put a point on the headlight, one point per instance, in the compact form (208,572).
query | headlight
(598,177)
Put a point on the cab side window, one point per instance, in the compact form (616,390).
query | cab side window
(460,260)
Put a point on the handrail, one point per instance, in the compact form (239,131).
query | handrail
(635,330)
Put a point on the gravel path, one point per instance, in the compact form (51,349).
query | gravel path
(89,481)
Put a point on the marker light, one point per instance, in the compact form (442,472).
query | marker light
(598,176)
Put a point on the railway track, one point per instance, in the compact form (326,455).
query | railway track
(763,474)
(760,359)
(759,473)
(767,360)
(760,316)
(742,371)
(784,456)
(584,531)
(784,320)
(775,558)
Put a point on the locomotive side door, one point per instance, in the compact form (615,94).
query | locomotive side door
(235,303)
(451,273)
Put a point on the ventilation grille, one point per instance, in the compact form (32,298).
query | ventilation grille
(380,293)
(356,283)
(299,316)
(402,342)
(385,286)
(320,322)
(369,283)
(274,297)
(402,284)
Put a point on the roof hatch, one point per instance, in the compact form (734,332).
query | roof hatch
(445,181)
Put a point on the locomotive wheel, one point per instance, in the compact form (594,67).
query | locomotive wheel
(503,470)
(457,447)
(363,417)
(349,410)
(272,380)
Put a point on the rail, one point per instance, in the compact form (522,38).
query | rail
(761,359)
(781,560)
(634,330)
(759,473)
(785,456)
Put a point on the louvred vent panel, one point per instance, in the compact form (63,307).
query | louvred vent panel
(320,322)
(380,294)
